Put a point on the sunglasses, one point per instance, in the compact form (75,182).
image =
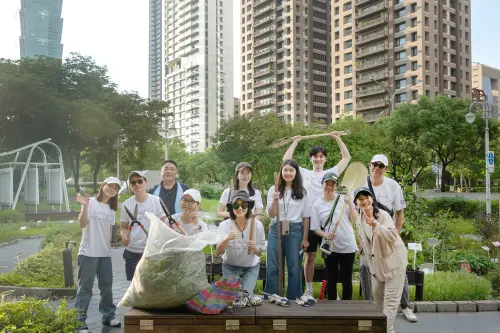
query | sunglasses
(135,182)
(378,165)
(188,201)
(237,206)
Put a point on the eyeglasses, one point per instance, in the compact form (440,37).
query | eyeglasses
(136,182)
(188,201)
(237,206)
(378,165)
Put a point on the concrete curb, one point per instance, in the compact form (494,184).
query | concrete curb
(457,306)
(40,292)
(15,241)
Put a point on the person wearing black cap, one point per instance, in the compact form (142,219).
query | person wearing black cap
(385,253)
(235,247)
(333,222)
(243,181)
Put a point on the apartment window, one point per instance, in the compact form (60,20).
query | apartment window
(414,37)
(401,55)
(337,72)
(414,51)
(336,11)
(414,66)
(348,82)
(348,106)
(337,84)
(337,60)
(413,7)
(337,97)
(426,21)
(347,31)
(401,84)
(347,69)
(348,56)
(337,23)
(401,13)
(337,35)
(426,7)
(348,6)
(348,44)
(347,18)
(427,79)
(414,80)
(400,27)
(400,41)
(337,109)
(401,69)
(413,22)
(414,95)
(401,98)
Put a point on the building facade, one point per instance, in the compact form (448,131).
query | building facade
(386,52)
(486,78)
(191,66)
(41,28)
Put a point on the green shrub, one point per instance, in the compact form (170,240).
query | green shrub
(455,286)
(11,215)
(494,278)
(31,315)
(461,207)
(209,191)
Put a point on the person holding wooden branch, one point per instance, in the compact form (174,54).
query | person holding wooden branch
(312,182)
(331,218)
(243,246)
(291,200)
(189,220)
(242,181)
(385,253)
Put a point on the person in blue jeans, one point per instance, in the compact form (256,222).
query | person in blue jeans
(294,216)
(235,247)
(96,219)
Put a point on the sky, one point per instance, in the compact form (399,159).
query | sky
(115,33)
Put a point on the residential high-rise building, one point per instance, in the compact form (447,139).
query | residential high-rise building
(41,28)
(286,59)
(386,52)
(191,66)
(237,107)
(487,79)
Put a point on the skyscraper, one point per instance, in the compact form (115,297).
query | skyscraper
(41,28)
(191,66)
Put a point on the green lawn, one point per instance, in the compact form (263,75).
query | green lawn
(463,227)
(209,205)
(11,231)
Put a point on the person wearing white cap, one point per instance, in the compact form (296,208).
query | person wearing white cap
(188,218)
(141,202)
(96,219)
(387,196)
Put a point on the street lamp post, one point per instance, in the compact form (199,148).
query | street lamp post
(470,117)
(392,94)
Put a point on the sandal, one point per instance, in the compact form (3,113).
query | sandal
(241,302)
(281,301)
(255,300)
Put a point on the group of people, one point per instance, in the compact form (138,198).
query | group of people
(311,215)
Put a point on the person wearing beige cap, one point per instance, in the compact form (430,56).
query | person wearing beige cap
(96,219)
(188,219)
(242,181)
(140,203)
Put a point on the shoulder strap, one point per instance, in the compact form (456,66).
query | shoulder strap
(371,188)
(330,217)
(375,202)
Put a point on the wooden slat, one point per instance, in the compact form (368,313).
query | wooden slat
(253,329)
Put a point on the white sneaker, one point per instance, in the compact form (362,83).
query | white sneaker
(307,296)
(409,315)
(112,323)
(85,330)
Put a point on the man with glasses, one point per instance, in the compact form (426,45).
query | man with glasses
(135,245)
(388,196)
(170,190)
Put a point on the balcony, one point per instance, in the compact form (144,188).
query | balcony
(263,10)
(263,71)
(263,92)
(267,20)
(369,91)
(372,63)
(264,102)
(372,104)
(259,2)
(364,25)
(363,2)
(263,41)
(264,30)
(371,117)
(371,37)
(260,83)
(263,51)
(370,50)
(371,10)
(377,75)
(264,61)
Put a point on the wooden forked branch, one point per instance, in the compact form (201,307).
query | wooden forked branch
(278,231)
(283,141)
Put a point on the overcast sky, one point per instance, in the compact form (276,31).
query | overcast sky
(115,34)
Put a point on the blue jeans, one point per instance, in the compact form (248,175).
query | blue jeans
(88,268)
(290,248)
(248,275)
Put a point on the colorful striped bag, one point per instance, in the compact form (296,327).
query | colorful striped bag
(217,297)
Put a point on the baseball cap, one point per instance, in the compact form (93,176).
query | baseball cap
(380,158)
(243,196)
(330,176)
(136,173)
(112,180)
(243,165)
(362,190)
(195,194)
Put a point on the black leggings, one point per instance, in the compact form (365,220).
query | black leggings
(346,262)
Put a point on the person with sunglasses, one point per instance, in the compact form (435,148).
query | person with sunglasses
(235,247)
(243,181)
(145,202)
(384,251)
(189,219)
(294,216)
(387,196)
(97,219)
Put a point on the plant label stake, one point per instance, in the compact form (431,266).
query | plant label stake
(415,247)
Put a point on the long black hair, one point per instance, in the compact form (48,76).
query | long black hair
(251,190)
(298,190)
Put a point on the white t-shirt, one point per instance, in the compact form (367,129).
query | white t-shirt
(96,236)
(390,194)
(190,228)
(236,253)
(257,198)
(290,209)
(345,240)
(312,182)
(138,237)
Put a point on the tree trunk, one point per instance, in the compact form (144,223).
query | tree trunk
(97,167)
(443,169)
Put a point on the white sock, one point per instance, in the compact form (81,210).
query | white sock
(309,286)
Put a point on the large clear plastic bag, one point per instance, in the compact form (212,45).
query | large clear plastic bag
(172,268)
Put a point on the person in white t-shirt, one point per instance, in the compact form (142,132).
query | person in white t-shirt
(236,260)
(135,245)
(188,219)
(388,196)
(312,183)
(338,230)
(294,212)
(243,181)
(96,219)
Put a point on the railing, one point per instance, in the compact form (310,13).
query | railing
(372,49)
(370,10)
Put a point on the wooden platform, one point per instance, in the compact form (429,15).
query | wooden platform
(325,316)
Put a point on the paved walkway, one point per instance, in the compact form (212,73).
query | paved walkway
(8,253)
